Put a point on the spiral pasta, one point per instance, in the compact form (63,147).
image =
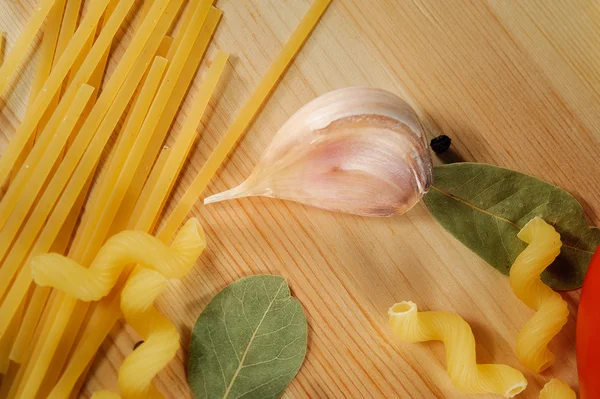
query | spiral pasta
(556,389)
(468,376)
(551,310)
(161,339)
(95,282)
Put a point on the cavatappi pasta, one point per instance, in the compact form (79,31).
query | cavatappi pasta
(557,389)
(413,326)
(127,247)
(551,310)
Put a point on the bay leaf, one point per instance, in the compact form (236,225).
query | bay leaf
(249,342)
(485,206)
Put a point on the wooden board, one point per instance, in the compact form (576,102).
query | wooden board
(515,84)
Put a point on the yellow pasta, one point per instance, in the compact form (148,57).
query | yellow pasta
(144,286)
(166,119)
(107,311)
(88,160)
(105,395)
(21,194)
(54,82)
(556,389)
(95,282)
(466,375)
(551,310)
(19,50)
(48,53)
(161,339)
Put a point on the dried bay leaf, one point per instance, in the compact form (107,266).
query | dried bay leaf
(485,206)
(249,342)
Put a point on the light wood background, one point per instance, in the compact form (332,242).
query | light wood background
(514,83)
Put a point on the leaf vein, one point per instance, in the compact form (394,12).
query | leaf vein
(240,365)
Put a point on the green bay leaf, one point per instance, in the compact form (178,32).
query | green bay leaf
(249,342)
(485,206)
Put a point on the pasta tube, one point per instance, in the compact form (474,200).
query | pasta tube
(552,311)
(556,389)
(466,375)
(127,247)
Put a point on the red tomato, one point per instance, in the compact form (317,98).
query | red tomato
(588,332)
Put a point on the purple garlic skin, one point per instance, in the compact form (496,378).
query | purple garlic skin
(356,150)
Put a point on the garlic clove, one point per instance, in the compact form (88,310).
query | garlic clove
(356,150)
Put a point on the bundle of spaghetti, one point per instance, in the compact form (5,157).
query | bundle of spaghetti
(551,310)
(14,59)
(54,83)
(166,120)
(468,376)
(103,217)
(141,102)
(107,311)
(87,163)
(81,159)
(24,339)
(48,53)
(557,389)
(113,188)
(25,239)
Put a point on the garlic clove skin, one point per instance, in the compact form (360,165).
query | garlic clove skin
(356,150)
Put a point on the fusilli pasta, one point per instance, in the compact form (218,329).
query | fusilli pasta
(161,339)
(95,282)
(468,376)
(551,310)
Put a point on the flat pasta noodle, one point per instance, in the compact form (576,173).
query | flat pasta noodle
(552,311)
(21,194)
(557,389)
(19,50)
(168,115)
(95,282)
(456,334)
(27,128)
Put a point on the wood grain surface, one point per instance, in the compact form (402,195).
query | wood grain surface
(514,83)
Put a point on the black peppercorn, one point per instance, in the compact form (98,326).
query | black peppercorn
(441,144)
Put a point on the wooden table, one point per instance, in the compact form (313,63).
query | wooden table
(514,83)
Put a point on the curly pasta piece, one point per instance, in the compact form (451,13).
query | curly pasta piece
(161,339)
(551,310)
(556,389)
(95,282)
(466,375)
